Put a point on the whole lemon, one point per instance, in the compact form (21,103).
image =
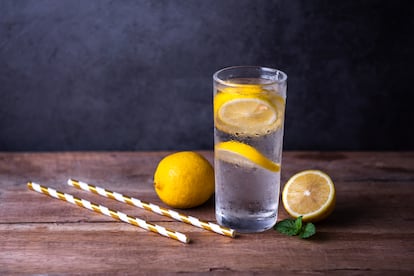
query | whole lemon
(184,179)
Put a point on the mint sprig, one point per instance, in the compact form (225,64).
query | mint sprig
(294,227)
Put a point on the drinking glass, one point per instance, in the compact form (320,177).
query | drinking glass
(249,108)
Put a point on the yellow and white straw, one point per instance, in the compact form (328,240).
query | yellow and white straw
(109,212)
(153,208)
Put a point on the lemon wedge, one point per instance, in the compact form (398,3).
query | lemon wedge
(248,113)
(310,194)
(244,155)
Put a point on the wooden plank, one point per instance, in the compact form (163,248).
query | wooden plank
(370,232)
(116,249)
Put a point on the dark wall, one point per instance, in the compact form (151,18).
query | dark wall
(137,75)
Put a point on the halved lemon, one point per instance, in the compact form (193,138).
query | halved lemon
(310,194)
(248,114)
(244,155)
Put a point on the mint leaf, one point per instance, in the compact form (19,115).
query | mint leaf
(293,227)
(287,227)
(307,231)
(298,224)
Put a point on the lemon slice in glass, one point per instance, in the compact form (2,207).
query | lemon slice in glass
(244,155)
(310,194)
(250,114)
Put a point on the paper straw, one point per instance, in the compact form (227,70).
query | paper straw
(109,212)
(153,208)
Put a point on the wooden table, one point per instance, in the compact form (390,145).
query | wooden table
(370,232)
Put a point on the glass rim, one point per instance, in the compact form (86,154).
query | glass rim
(265,69)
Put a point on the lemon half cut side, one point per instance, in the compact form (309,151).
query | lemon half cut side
(244,155)
(310,194)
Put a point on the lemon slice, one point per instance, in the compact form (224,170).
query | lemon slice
(250,114)
(244,155)
(310,194)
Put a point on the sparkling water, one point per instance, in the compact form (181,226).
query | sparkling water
(247,198)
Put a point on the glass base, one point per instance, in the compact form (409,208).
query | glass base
(247,225)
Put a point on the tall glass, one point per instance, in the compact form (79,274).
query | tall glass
(249,108)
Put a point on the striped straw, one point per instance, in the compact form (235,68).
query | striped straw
(109,212)
(153,208)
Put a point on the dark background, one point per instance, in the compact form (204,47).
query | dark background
(137,75)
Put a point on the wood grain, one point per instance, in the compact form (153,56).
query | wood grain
(370,232)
